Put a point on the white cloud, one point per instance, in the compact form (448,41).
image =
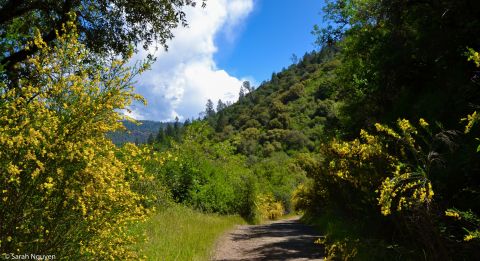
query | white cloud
(182,79)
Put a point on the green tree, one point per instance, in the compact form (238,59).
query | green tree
(241,94)
(161,135)
(105,26)
(150,139)
(247,86)
(220,106)
(209,109)
(222,121)
(177,129)
(392,68)
(170,131)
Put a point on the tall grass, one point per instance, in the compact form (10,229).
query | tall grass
(179,233)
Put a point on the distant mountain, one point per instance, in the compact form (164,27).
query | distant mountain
(137,133)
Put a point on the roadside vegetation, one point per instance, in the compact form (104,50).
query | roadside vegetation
(180,233)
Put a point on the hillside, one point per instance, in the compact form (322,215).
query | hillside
(139,132)
(135,133)
(292,112)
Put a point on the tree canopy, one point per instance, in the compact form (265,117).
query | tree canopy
(105,26)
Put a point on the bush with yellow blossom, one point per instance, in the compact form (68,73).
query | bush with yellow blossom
(381,176)
(391,162)
(468,220)
(268,207)
(64,190)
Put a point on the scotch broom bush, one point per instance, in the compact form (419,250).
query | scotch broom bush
(269,208)
(385,175)
(64,190)
(392,162)
(468,220)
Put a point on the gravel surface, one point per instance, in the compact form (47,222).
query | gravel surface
(286,239)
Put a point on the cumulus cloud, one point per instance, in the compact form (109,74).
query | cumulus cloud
(184,78)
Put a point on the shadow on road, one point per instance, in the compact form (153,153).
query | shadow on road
(284,240)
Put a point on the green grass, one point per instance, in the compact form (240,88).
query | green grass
(179,233)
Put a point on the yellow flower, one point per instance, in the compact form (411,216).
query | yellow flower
(452,213)
(13,169)
(423,123)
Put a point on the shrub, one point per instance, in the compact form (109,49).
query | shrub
(269,208)
(205,175)
(64,189)
(395,172)
(301,197)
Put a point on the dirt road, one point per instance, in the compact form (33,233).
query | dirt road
(286,239)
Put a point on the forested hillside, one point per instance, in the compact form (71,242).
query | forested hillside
(292,112)
(139,132)
(142,132)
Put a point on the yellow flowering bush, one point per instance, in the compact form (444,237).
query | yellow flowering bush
(384,171)
(349,160)
(301,198)
(474,56)
(467,220)
(64,190)
(148,161)
(409,187)
(268,207)
(473,118)
(410,184)
(391,162)
(345,249)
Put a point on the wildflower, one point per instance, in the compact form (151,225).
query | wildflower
(423,123)
(452,213)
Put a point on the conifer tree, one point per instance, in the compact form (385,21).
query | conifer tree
(177,129)
(209,110)
(241,94)
(161,135)
(169,131)
(220,105)
(150,139)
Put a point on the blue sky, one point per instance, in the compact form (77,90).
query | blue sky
(273,31)
(225,43)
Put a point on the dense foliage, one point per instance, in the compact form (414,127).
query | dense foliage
(206,174)
(405,62)
(104,26)
(65,190)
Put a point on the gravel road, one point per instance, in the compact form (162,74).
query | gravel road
(286,239)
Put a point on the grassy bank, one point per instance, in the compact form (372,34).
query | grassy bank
(179,233)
